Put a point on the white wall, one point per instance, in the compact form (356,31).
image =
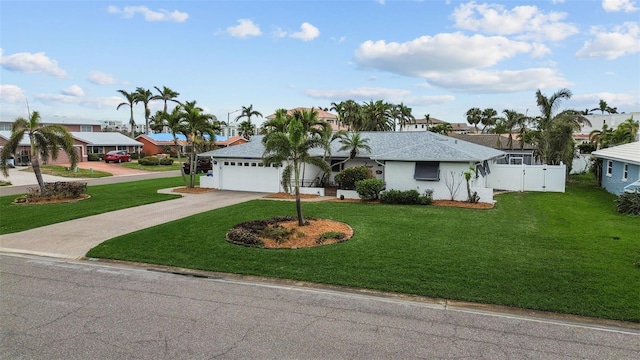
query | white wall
(527,177)
(399,176)
(581,164)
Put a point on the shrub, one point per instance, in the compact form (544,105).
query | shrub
(409,197)
(95,157)
(369,189)
(58,189)
(277,233)
(629,203)
(330,235)
(165,161)
(347,178)
(149,161)
(136,156)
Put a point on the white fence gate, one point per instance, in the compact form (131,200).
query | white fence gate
(527,177)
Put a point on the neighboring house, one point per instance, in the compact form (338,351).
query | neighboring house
(159,143)
(87,134)
(325,116)
(598,120)
(403,160)
(517,153)
(620,167)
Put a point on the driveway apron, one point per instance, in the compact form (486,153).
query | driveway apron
(72,239)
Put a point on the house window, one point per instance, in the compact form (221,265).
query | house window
(609,167)
(122,148)
(427,170)
(246,164)
(260,165)
(253,164)
(337,165)
(5,126)
(86,128)
(232,163)
(226,163)
(625,172)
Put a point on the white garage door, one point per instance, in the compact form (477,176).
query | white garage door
(246,175)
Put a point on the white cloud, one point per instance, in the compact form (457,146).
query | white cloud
(524,22)
(307,32)
(32,63)
(73,90)
(619,5)
(618,100)
(11,94)
(442,52)
(245,28)
(110,102)
(358,94)
(623,40)
(499,81)
(149,15)
(100,78)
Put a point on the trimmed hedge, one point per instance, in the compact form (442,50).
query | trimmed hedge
(369,189)
(409,197)
(152,161)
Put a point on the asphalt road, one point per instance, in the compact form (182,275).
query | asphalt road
(57,309)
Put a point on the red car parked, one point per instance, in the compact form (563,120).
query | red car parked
(117,156)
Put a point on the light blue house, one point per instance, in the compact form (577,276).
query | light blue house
(620,167)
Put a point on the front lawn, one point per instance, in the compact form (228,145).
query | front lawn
(567,253)
(58,170)
(134,165)
(104,198)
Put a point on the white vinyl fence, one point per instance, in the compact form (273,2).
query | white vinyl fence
(527,177)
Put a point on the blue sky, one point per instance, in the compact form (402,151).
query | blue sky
(68,58)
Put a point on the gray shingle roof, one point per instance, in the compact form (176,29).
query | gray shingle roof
(397,146)
(105,138)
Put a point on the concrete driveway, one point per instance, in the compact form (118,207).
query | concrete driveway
(72,239)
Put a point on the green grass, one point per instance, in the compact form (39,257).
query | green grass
(62,171)
(134,165)
(545,251)
(104,198)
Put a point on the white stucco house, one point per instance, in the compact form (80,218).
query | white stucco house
(403,160)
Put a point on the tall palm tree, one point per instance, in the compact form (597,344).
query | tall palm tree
(404,115)
(174,121)
(131,99)
(45,141)
(196,127)
(166,95)
(501,127)
(144,96)
(512,119)
(474,116)
(489,117)
(604,107)
(248,112)
(277,123)
(601,138)
(310,122)
(631,127)
(291,149)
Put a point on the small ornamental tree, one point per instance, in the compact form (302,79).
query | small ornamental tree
(369,189)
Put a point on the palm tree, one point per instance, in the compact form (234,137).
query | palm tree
(354,143)
(489,117)
(405,116)
(174,121)
(631,127)
(166,94)
(601,138)
(248,112)
(376,116)
(45,141)
(196,126)
(144,96)
(443,129)
(278,123)
(291,149)
(474,116)
(512,118)
(501,127)
(246,129)
(131,99)
(604,107)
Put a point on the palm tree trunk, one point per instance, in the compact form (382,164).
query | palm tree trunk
(35,164)
(297,187)
(184,178)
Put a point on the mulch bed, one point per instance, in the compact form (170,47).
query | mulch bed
(194,190)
